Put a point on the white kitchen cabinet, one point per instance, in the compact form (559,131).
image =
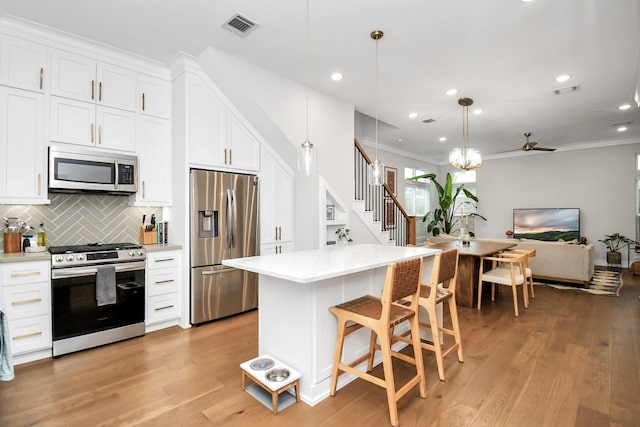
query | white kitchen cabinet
(217,137)
(83,123)
(23,64)
(154,162)
(163,289)
(154,96)
(22,147)
(276,201)
(276,248)
(26,297)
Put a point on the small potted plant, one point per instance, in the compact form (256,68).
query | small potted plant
(615,242)
(343,235)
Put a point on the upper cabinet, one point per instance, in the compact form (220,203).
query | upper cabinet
(22,64)
(276,205)
(22,147)
(93,103)
(154,96)
(217,138)
(154,162)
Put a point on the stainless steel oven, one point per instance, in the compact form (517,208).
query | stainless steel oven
(80,319)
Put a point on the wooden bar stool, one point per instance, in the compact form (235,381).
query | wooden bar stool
(381,315)
(445,270)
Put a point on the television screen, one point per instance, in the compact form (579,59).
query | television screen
(550,224)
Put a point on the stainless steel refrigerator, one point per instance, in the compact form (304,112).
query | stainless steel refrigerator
(224,217)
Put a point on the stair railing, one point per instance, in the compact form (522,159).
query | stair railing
(382,202)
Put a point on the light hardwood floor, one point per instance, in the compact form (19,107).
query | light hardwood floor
(569,360)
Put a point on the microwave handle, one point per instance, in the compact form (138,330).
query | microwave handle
(117,174)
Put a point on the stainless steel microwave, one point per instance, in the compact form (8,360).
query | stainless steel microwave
(80,169)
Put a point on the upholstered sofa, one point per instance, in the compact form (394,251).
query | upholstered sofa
(560,261)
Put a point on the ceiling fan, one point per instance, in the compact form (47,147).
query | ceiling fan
(532,146)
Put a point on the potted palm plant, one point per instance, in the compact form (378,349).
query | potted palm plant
(615,242)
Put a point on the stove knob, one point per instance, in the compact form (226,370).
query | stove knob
(59,258)
(69,257)
(140,253)
(131,253)
(80,257)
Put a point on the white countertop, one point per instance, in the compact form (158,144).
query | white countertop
(331,261)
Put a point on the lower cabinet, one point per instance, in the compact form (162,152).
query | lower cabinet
(163,285)
(26,298)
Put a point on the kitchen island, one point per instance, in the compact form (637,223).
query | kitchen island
(296,290)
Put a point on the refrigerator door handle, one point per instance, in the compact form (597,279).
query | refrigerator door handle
(231,219)
(234,225)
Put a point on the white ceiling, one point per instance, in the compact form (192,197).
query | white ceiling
(505,54)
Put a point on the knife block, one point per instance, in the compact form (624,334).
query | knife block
(12,242)
(148,237)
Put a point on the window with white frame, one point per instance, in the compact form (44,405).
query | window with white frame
(464,204)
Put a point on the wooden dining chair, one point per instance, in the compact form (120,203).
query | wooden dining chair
(441,289)
(506,271)
(528,253)
(380,315)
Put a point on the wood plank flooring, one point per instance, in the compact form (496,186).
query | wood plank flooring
(571,359)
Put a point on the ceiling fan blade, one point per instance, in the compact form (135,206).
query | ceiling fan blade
(542,149)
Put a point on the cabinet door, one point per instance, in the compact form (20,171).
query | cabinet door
(268,226)
(154,96)
(244,148)
(116,87)
(72,121)
(73,76)
(22,146)
(207,126)
(22,64)
(116,129)
(154,162)
(283,192)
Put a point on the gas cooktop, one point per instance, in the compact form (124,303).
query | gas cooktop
(92,247)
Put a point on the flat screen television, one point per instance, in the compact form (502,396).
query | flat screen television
(550,224)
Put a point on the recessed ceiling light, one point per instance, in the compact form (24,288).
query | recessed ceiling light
(622,128)
(624,107)
(452,92)
(442,139)
(413,115)
(399,139)
(336,77)
(477,111)
(563,78)
(527,1)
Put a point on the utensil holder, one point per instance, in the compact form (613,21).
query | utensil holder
(12,242)
(148,237)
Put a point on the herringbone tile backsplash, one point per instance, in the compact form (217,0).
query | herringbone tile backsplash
(74,219)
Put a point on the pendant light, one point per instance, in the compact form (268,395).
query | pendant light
(376,168)
(466,158)
(307,155)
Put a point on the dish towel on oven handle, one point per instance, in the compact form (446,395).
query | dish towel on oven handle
(106,285)
(6,362)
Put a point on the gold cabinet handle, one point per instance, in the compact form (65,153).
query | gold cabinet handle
(100,134)
(230,154)
(142,101)
(164,308)
(160,282)
(92,140)
(93,89)
(143,188)
(100,91)
(39,184)
(26,273)
(33,334)
(164,259)
(26,301)
(225,156)
(41,77)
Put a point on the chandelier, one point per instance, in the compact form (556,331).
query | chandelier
(465,157)
(376,168)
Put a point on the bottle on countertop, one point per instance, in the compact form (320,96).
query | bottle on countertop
(41,235)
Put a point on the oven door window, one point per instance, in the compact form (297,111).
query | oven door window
(76,311)
(72,170)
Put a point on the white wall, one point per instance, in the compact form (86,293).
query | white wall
(599,181)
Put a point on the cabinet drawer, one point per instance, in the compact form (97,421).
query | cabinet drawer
(163,259)
(163,307)
(30,334)
(26,272)
(31,299)
(162,281)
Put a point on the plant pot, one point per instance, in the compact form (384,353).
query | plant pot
(614,258)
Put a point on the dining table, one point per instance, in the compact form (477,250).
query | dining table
(469,265)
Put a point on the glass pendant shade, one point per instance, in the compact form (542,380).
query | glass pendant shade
(375,173)
(307,159)
(465,157)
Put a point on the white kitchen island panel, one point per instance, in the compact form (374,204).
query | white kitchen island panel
(295,292)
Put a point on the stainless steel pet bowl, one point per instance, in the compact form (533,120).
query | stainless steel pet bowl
(277,375)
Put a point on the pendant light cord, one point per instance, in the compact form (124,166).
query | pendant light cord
(307,77)
(377,99)
(465,133)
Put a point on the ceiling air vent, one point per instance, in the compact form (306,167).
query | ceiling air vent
(239,25)
(564,90)
(428,120)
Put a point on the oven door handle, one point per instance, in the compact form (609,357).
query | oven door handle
(83,271)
